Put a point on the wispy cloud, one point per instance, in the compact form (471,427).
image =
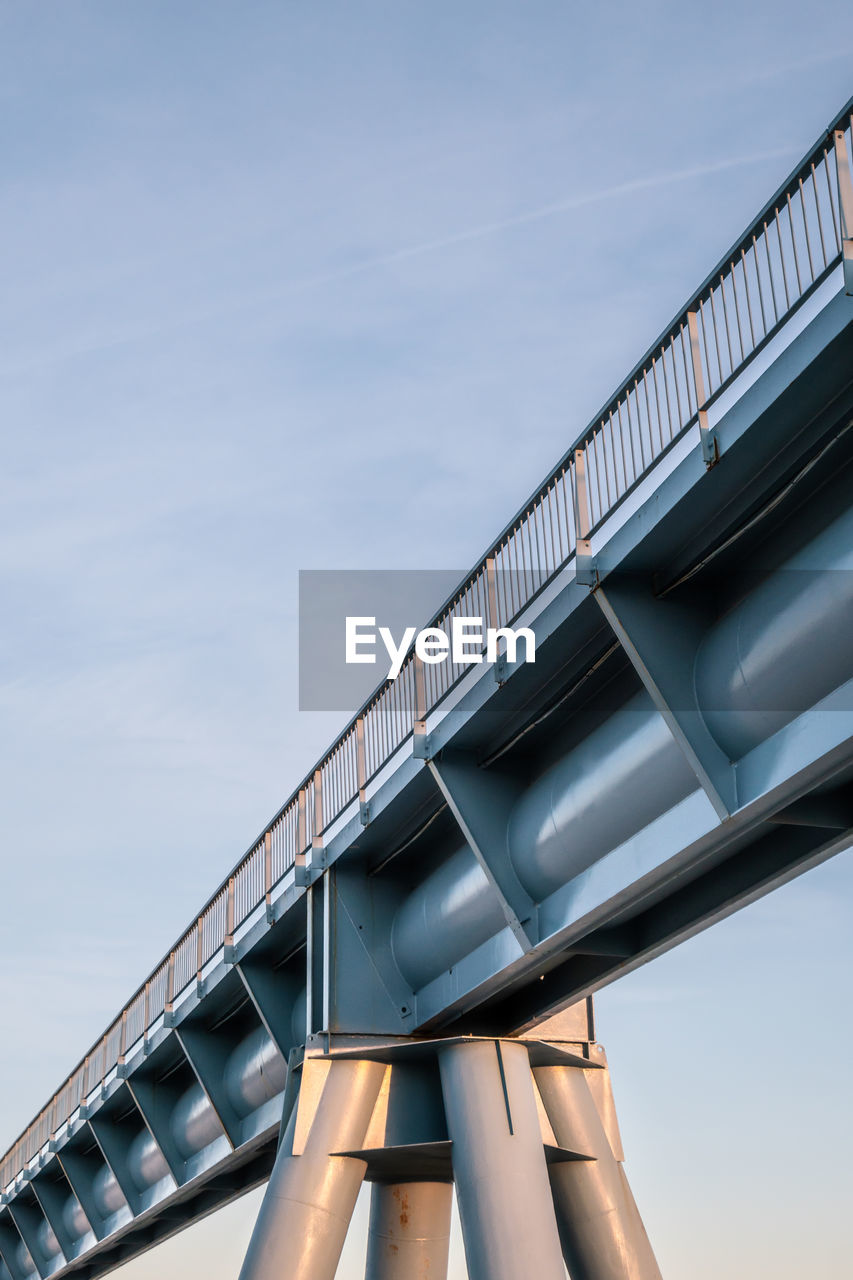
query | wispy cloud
(236,305)
(758,74)
(581,200)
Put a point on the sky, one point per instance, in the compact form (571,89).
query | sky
(331,286)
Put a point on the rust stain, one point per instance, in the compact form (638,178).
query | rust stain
(402,1199)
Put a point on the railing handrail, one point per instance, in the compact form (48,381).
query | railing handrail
(742,240)
(594,442)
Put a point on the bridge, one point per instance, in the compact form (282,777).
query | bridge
(395,983)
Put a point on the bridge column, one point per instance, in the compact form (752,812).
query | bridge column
(601,1230)
(409,1236)
(306,1211)
(499,1164)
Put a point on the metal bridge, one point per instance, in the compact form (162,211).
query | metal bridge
(395,981)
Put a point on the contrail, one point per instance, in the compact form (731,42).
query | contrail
(407,252)
(579,201)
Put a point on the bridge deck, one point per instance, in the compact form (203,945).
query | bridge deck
(702,463)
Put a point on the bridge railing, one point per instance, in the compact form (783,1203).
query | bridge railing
(786,253)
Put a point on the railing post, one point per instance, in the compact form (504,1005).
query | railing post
(300,866)
(361,772)
(122,1044)
(268,876)
(492,593)
(317,855)
(493,619)
(845,204)
(168,1008)
(710,451)
(84,1088)
(584,567)
(199,952)
(301,822)
(419,743)
(146,1015)
(103,1049)
(228,947)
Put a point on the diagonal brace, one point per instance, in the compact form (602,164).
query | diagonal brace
(661,639)
(481,803)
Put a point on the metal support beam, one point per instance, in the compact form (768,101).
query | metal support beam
(273,993)
(79,1173)
(828,811)
(51,1200)
(409,1234)
(10,1239)
(661,639)
(319,953)
(601,1232)
(499,1165)
(207,1054)
(365,987)
(306,1211)
(28,1219)
(113,1148)
(155,1110)
(481,803)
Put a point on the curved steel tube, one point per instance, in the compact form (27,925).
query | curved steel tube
(776,653)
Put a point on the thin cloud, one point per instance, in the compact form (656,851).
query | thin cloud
(406,253)
(567,205)
(756,75)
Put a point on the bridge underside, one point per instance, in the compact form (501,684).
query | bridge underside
(682,744)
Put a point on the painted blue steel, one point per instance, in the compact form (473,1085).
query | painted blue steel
(784,648)
(255,1074)
(654,407)
(778,652)
(602,831)
(626,772)
(194,1124)
(568,818)
(145,1160)
(451,912)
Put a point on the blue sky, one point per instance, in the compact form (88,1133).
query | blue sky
(332,286)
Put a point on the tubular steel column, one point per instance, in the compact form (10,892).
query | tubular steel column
(499,1165)
(409,1231)
(306,1211)
(600,1227)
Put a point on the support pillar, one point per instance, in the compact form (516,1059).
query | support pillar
(601,1230)
(409,1236)
(508,1221)
(306,1211)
